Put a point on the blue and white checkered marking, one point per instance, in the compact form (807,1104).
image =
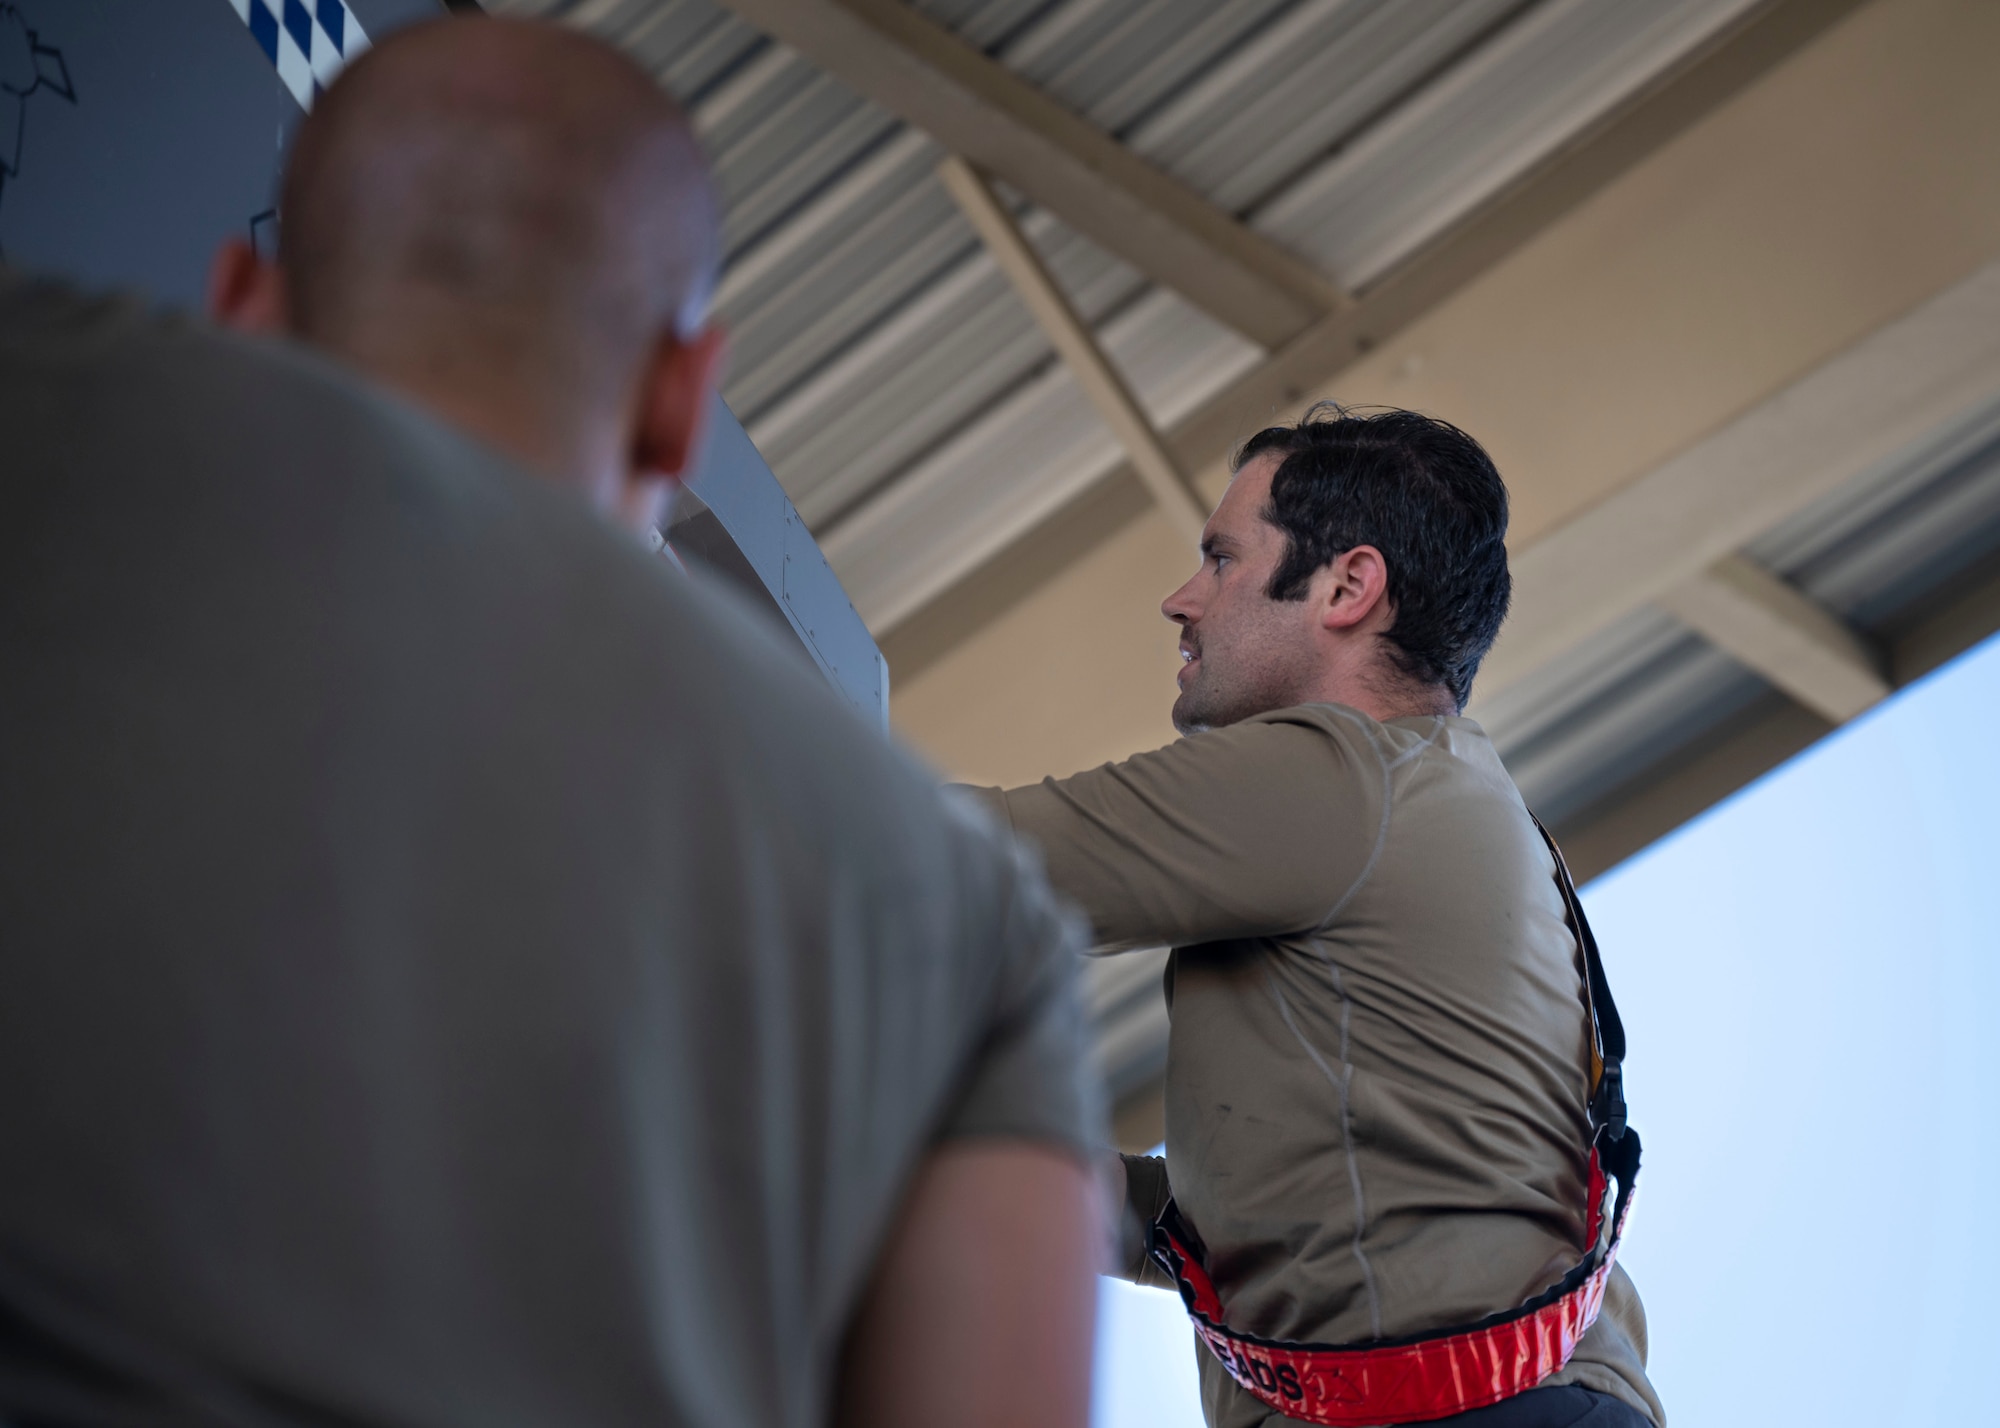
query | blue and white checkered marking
(307,41)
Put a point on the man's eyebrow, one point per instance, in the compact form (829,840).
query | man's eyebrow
(1214,545)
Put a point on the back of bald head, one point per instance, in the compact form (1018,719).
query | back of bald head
(498,204)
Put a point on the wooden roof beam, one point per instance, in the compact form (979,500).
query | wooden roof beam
(915,68)
(1073,340)
(1931,376)
(1775,629)
(919,630)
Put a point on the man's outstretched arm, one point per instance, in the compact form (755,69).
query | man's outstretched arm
(1250,831)
(983,1306)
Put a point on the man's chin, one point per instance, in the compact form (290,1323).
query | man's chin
(1189,714)
(1201,706)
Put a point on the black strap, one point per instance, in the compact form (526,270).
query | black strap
(1607,1092)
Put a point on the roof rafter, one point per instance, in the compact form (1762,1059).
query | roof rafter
(1934,370)
(1072,338)
(1778,631)
(920,71)
(1729,63)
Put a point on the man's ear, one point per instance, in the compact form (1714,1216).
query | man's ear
(245,293)
(1353,586)
(673,404)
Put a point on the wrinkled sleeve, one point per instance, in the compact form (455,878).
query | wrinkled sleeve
(1256,830)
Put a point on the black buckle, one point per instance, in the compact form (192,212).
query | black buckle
(1607,1107)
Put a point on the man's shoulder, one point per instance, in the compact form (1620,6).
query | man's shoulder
(1338,721)
(1337,730)
(1323,750)
(95,380)
(150,443)
(52,327)
(1345,721)
(1452,739)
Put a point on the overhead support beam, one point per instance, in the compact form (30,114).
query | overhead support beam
(1077,345)
(1931,376)
(892,54)
(920,628)
(1659,800)
(1769,625)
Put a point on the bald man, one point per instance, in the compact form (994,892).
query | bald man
(510,224)
(457,970)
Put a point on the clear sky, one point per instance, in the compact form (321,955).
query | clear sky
(1809,974)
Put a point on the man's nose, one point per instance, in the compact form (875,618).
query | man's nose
(1180,606)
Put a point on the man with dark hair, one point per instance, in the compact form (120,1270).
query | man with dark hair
(1423,493)
(1381,1087)
(455,970)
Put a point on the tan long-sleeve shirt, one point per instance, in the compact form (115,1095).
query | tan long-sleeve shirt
(1376,1073)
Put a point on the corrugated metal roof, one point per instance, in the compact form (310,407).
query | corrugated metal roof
(881,362)
(1876,554)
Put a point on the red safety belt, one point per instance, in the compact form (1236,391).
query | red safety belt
(1436,1375)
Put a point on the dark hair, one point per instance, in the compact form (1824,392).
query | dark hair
(1420,491)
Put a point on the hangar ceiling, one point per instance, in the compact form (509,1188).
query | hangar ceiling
(1247,204)
(881,361)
